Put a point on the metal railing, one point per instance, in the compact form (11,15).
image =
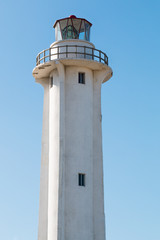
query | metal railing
(72,52)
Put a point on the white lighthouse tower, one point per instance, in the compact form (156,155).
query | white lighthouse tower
(71,181)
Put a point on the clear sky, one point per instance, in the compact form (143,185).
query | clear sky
(129,32)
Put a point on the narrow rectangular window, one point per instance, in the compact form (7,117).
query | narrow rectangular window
(81,78)
(81,179)
(51,81)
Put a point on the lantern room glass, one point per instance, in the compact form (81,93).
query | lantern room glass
(72,28)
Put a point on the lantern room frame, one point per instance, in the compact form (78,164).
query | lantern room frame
(72,28)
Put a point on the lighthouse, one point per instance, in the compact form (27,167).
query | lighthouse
(71,71)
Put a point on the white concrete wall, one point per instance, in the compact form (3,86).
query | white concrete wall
(43,198)
(54,148)
(98,199)
(79,150)
(75,146)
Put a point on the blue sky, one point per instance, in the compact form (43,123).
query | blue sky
(128,31)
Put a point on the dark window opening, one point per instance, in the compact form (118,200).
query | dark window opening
(51,81)
(81,179)
(81,78)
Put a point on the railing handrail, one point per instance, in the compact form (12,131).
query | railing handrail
(101,56)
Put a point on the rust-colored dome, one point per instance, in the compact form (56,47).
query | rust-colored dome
(72,16)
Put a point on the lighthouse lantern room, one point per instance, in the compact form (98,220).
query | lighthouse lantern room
(72,28)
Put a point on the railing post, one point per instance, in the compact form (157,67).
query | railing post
(49,54)
(84,52)
(58,52)
(99,56)
(66,51)
(44,53)
(92,54)
(76,51)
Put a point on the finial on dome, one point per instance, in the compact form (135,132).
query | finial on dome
(72,16)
